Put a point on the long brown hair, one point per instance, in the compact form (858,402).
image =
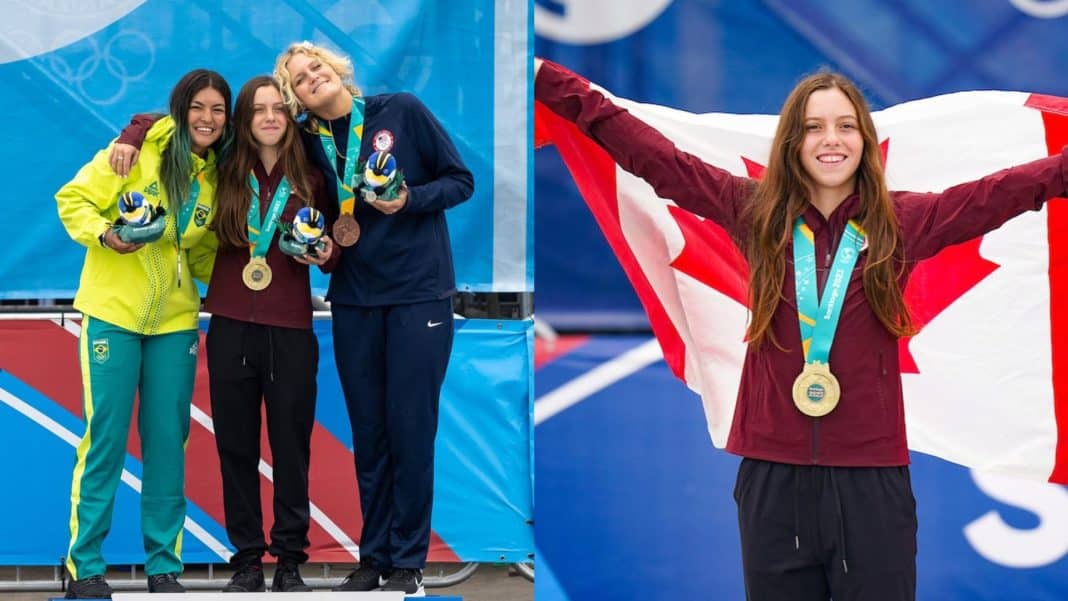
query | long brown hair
(783,195)
(234,194)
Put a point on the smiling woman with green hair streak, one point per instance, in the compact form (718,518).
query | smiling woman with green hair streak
(139,333)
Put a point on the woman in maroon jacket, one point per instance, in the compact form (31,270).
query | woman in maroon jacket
(825,504)
(260,344)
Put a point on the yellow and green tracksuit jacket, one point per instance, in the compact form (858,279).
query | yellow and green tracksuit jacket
(140,291)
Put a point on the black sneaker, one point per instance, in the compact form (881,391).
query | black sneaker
(287,580)
(407,580)
(247,579)
(93,587)
(164,583)
(364,578)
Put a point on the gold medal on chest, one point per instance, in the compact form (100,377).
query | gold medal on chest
(257,274)
(816,390)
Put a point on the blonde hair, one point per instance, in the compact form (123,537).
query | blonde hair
(340,64)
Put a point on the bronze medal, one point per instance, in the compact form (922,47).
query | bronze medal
(346,230)
(257,274)
(816,390)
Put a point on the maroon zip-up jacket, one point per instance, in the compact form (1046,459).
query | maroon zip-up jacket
(287,301)
(868,426)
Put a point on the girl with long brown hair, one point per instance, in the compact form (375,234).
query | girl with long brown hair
(260,343)
(825,504)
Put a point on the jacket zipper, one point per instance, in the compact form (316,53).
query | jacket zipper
(815,440)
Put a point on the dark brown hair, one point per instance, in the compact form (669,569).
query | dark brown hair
(176,161)
(234,194)
(783,194)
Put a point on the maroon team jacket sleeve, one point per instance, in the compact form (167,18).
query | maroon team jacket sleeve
(134,133)
(642,150)
(933,221)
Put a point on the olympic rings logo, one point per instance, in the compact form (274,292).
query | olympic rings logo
(126,57)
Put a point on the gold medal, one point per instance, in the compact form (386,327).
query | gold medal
(257,274)
(816,390)
(346,230)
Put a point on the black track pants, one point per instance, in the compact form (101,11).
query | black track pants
(812,533)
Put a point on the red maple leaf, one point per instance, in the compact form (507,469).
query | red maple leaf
(710,257)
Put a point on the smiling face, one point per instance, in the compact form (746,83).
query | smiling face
(833,144)
(315,84)
(269,117)
(207,117)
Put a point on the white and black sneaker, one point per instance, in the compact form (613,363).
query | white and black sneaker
(407,580)
(364,578)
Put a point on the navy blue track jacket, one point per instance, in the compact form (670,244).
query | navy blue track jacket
(405,257)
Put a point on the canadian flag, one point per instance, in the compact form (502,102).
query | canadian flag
(986,379)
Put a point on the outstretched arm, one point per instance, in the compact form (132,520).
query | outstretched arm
(931,222)
(640,149)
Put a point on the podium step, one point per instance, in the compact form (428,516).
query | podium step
(313,596)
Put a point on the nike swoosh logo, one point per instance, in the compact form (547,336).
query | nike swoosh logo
(433,324)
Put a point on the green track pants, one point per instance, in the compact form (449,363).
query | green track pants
(116,363)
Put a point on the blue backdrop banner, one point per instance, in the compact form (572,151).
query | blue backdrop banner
(75,72)
(483,496)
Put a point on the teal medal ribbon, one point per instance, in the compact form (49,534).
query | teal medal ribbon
(261,233)
(346,230)
(816,391)
(257,273)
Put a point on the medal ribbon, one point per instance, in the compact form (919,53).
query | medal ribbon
(185,215)
(346,198)
(819,317)
(260,233)
(186,212)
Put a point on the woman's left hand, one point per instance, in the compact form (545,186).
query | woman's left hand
(390,207)
(320,257)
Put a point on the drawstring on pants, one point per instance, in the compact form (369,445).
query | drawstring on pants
(797,512)
(841,519)
(270,355)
